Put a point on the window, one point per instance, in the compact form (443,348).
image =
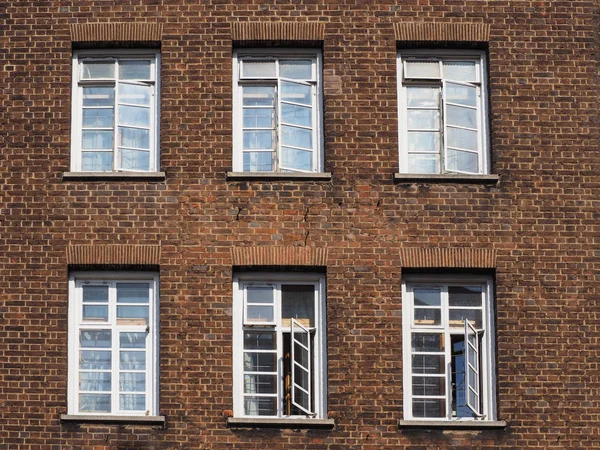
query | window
(448,336)
(113,344)
(443,113)
(279,346)
(115,112)
(277,112)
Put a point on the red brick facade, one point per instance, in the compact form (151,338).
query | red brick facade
(536,229)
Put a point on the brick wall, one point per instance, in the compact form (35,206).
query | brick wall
(539,224)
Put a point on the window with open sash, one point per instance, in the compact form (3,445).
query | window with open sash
(448,344)
(443,113)
(113,344)
(277,112)
(115,112)
(279,347)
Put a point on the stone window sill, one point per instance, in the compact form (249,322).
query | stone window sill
(446,178)
(260,176)
(126,176)
(452,424)
(125,420)
(255,422)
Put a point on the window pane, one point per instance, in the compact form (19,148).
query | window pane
(428,386)
(95,339)
(95,313)
(135,69)
(462,161)
(258,95)
(429,407)
(300,353)
(132,382)
(259,313)
(423,97)
(465,295)
(94,360)
(427,342)
(96,139)
(96,294)
(94,403)
(134,116)
(461,117)
(132,402)
(258,69)
(301,378)
(423,163)
(424,141)
(258,139)
(460,70)
(132,137)
(423,119)
(302,398)
(461,138)
(134,314)
(428,364)
(97,69)
(260,406)
(296,137)
(98,96)
(259,294)
(427,297)
(298,302)
(292,158)
(259,340)
(95,381)
(133,293)
(260,362)
(134,94)
(422,69)
(463,95)
(98,118)
(96,161)
(258,161)
(296,93)
(428,316)
(259,117)
(298,69)
(132,340)
(260,384)
(296,115)
(458,316)
(132,360)
(135,159)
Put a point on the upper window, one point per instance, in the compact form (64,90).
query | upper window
(113,344)
(277,116)
(442,113)
(448,336)
(279,346)
(115,111)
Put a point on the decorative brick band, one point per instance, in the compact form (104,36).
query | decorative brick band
(113,254)
(277,31)
(448,257)
(279,256)
(452,32)
(119,32)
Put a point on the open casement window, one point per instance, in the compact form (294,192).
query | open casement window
(279,347)
(113,344)
(443,113)
(115,112)
(448,345)
(277,112)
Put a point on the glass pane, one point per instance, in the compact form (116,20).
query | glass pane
(258,95)
(458,316)
(133,293)
(297,69)
(464,295)
(301,354)
(427,297)
(429,407)
(258,69)
(462,161)
(132,382)
(296,93)
(98,96)
(259,294)
(132,402)
(428,386)
(259,340)
(132,137)
(292,158)
(96,161)
(259,117)
(463,95)
(95,339)
(98,69)
(460,70)
(423,119)
(428,316)
(428,364)
(135,116)
(258,139)
(94,360)
(461,138)
(132,360)
(301,398)
(94,403)
(259,313)
(135,69)
(296,137)
(472,355)
(97,139)
(96,294)
(95,381)
(260,362)
(427,342)
(134,94)
(472,378)
(296,115)
(423,141)
(461,117)
(132,340)
(135,159)
(298,301)
(260,384)
(423,97)
(95,313)
(422,69)
(423,163)
(258,161)
(260,406)
(473,399)
(135,313)
(301,377)
(98,118)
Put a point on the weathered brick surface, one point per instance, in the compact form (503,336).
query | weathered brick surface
(541,221)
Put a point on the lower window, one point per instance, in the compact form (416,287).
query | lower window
(113,344)
(279,346)
(448,348)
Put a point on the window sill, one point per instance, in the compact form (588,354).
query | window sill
(249,176)
(125,420)
(452,424)
(97,176)
(445,178)
(255,422)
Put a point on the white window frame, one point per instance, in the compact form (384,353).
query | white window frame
(319,369)
(77,103)
(483,149)
(317,117)
(486,366)
(76,323)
